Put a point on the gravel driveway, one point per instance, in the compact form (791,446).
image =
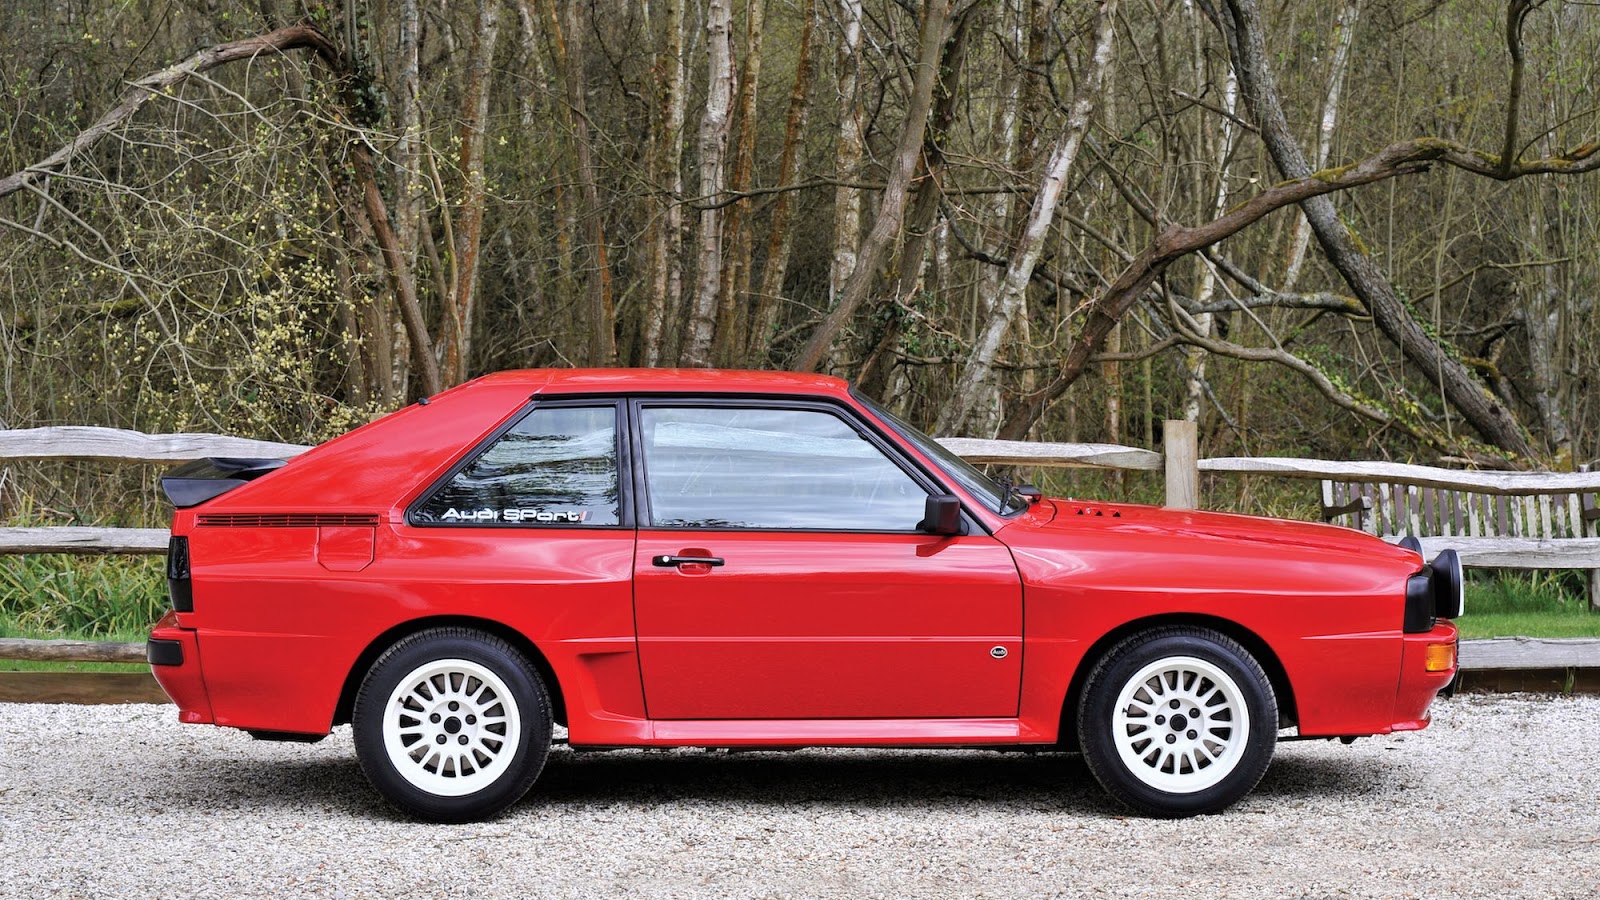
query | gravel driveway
(1500,797)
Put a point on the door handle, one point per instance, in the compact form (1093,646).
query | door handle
(670,561)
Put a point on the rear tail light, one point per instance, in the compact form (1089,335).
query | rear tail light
(178,584)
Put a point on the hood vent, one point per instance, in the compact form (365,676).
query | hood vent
(287,520)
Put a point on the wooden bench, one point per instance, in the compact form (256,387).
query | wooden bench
(1531,530)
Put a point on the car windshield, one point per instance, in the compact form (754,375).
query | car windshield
(1000,496)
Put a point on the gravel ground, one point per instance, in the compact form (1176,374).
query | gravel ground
(1499,798)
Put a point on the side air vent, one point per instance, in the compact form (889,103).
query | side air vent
(287,520)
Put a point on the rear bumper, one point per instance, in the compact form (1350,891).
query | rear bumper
(174,655)
(1418,686)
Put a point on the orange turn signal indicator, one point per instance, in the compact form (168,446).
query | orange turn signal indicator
(1440,657)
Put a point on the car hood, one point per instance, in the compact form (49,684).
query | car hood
(1052,518)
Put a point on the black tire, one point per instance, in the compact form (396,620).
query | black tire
(452,763)
(1141,739)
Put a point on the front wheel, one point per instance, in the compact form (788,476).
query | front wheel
(452,725)
(1178,721)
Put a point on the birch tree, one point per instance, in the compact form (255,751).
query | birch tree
(712,147)
(849,148)
(1344,33)
(666,166)
(1013,292)
(892,207)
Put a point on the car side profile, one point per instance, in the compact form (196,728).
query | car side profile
(666,558)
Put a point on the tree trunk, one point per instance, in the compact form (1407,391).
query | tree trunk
(1492,419)
(849,149)
(1028,37)
(923,218)
(780,238)
(597,286)
(891,210)
(666,239)
(407,153)
(735,288)
(405,287)
(980,362)
(713,145)
(1344,33)
(1194,358)
(459,311)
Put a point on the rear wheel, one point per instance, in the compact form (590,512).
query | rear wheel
(452,725)
(1178,721)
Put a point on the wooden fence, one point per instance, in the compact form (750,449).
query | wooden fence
(1178,460)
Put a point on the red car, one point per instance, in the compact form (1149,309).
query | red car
(747,559)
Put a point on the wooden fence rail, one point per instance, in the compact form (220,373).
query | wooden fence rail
(121,446)
(1177,459)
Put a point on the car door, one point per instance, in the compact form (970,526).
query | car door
(779,574)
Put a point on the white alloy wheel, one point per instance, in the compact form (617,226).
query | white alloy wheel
(1180,724)
(451,727)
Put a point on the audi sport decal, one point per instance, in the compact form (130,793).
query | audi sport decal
(546,516)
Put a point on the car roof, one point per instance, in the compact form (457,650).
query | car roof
(666,380)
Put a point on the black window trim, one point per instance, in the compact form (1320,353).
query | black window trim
(848,414)
(620,430)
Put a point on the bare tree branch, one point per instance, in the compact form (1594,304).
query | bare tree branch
(1176,241)
(142,91)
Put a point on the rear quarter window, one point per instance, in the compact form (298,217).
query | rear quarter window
(555,467)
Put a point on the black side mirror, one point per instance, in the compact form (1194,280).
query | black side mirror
(941,514)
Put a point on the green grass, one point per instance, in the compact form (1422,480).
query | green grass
(86,597)
(27,665)
(1528,604)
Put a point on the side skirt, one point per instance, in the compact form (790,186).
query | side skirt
(831,733)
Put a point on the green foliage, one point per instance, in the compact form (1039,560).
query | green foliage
(99,598)
(1551,604)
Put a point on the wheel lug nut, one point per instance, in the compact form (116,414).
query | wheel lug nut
(1174,704)
(472,720)
(1192,735)
(1161,720)
(439,739)
(462,739)
(1172,739)
(434,718)
(454,706)
(1194,713)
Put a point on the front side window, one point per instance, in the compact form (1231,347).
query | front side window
(790,469)
(1000,497)
(557,466)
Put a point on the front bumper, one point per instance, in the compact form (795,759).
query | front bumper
(1418,686)
(174,655)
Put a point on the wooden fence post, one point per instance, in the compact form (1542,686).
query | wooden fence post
(1183,464)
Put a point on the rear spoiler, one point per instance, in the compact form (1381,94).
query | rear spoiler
(194,483)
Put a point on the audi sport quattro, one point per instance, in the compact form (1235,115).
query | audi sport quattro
(657,558)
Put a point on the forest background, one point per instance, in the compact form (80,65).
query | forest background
(1355,230)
